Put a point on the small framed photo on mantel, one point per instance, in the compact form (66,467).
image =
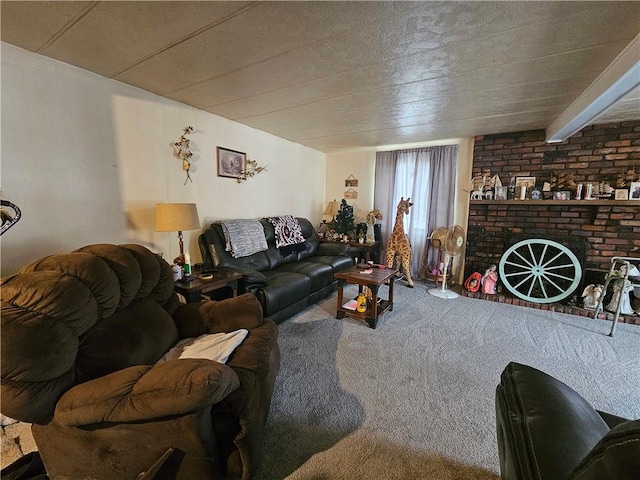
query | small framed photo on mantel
(501,193)
(562,195)
(524,185)
(634,191)
(231,163)
(622,194)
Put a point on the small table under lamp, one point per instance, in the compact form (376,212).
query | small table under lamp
(172,217)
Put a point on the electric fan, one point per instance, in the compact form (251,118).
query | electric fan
(452,248)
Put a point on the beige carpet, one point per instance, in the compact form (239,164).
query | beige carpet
(415,397)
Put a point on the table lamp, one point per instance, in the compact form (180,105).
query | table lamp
(172,217)
(332,210)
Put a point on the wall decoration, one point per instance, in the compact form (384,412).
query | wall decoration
(9,217)
(351,181)
(622,194)
(351,194)
(181,150)
(634,191)
(251,170)
(231,163)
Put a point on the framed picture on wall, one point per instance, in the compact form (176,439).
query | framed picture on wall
(231,163)
(634,191)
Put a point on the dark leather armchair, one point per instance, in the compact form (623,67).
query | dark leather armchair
(547,431)
(80,335)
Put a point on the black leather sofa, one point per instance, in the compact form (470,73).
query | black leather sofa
(547,431)
(283,285)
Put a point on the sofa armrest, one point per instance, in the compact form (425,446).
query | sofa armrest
(195,319)
(250,277)
(146,392)
(615,456)
(544,428)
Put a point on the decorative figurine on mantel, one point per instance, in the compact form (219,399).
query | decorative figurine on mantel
(489,280)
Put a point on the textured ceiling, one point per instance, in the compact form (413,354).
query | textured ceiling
(336,75)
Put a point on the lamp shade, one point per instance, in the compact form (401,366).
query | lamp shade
(332,209)
(173,217)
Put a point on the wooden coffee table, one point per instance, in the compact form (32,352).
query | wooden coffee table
(373,280)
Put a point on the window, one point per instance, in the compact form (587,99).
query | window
(426,175)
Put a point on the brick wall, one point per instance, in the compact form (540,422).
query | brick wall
(597,153)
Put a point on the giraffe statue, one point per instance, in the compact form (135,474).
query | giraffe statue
(399,243)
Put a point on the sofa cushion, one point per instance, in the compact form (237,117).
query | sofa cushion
(336,262)
(283,289)
(617,455)
(320,274)
(548,427)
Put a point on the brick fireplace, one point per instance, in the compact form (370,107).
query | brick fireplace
(594,230)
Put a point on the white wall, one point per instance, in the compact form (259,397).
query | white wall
(361,165)
(87,158)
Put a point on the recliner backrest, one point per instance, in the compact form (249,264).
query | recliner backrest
(72,317)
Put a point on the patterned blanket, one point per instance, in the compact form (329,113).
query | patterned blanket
(243,237)
(288,234)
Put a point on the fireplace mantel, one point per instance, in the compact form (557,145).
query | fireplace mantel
(582,203)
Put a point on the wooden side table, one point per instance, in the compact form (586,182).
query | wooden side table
(373,281)
(192,291)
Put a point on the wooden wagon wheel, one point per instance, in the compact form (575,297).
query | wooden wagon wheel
(540,271)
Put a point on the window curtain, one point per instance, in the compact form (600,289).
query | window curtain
(426,175)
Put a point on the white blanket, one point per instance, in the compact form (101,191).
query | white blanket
(243,237)
(211,346)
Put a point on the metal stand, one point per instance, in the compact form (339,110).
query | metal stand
(443,292)
(616,263)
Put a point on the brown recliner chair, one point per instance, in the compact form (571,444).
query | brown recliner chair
(80,335)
